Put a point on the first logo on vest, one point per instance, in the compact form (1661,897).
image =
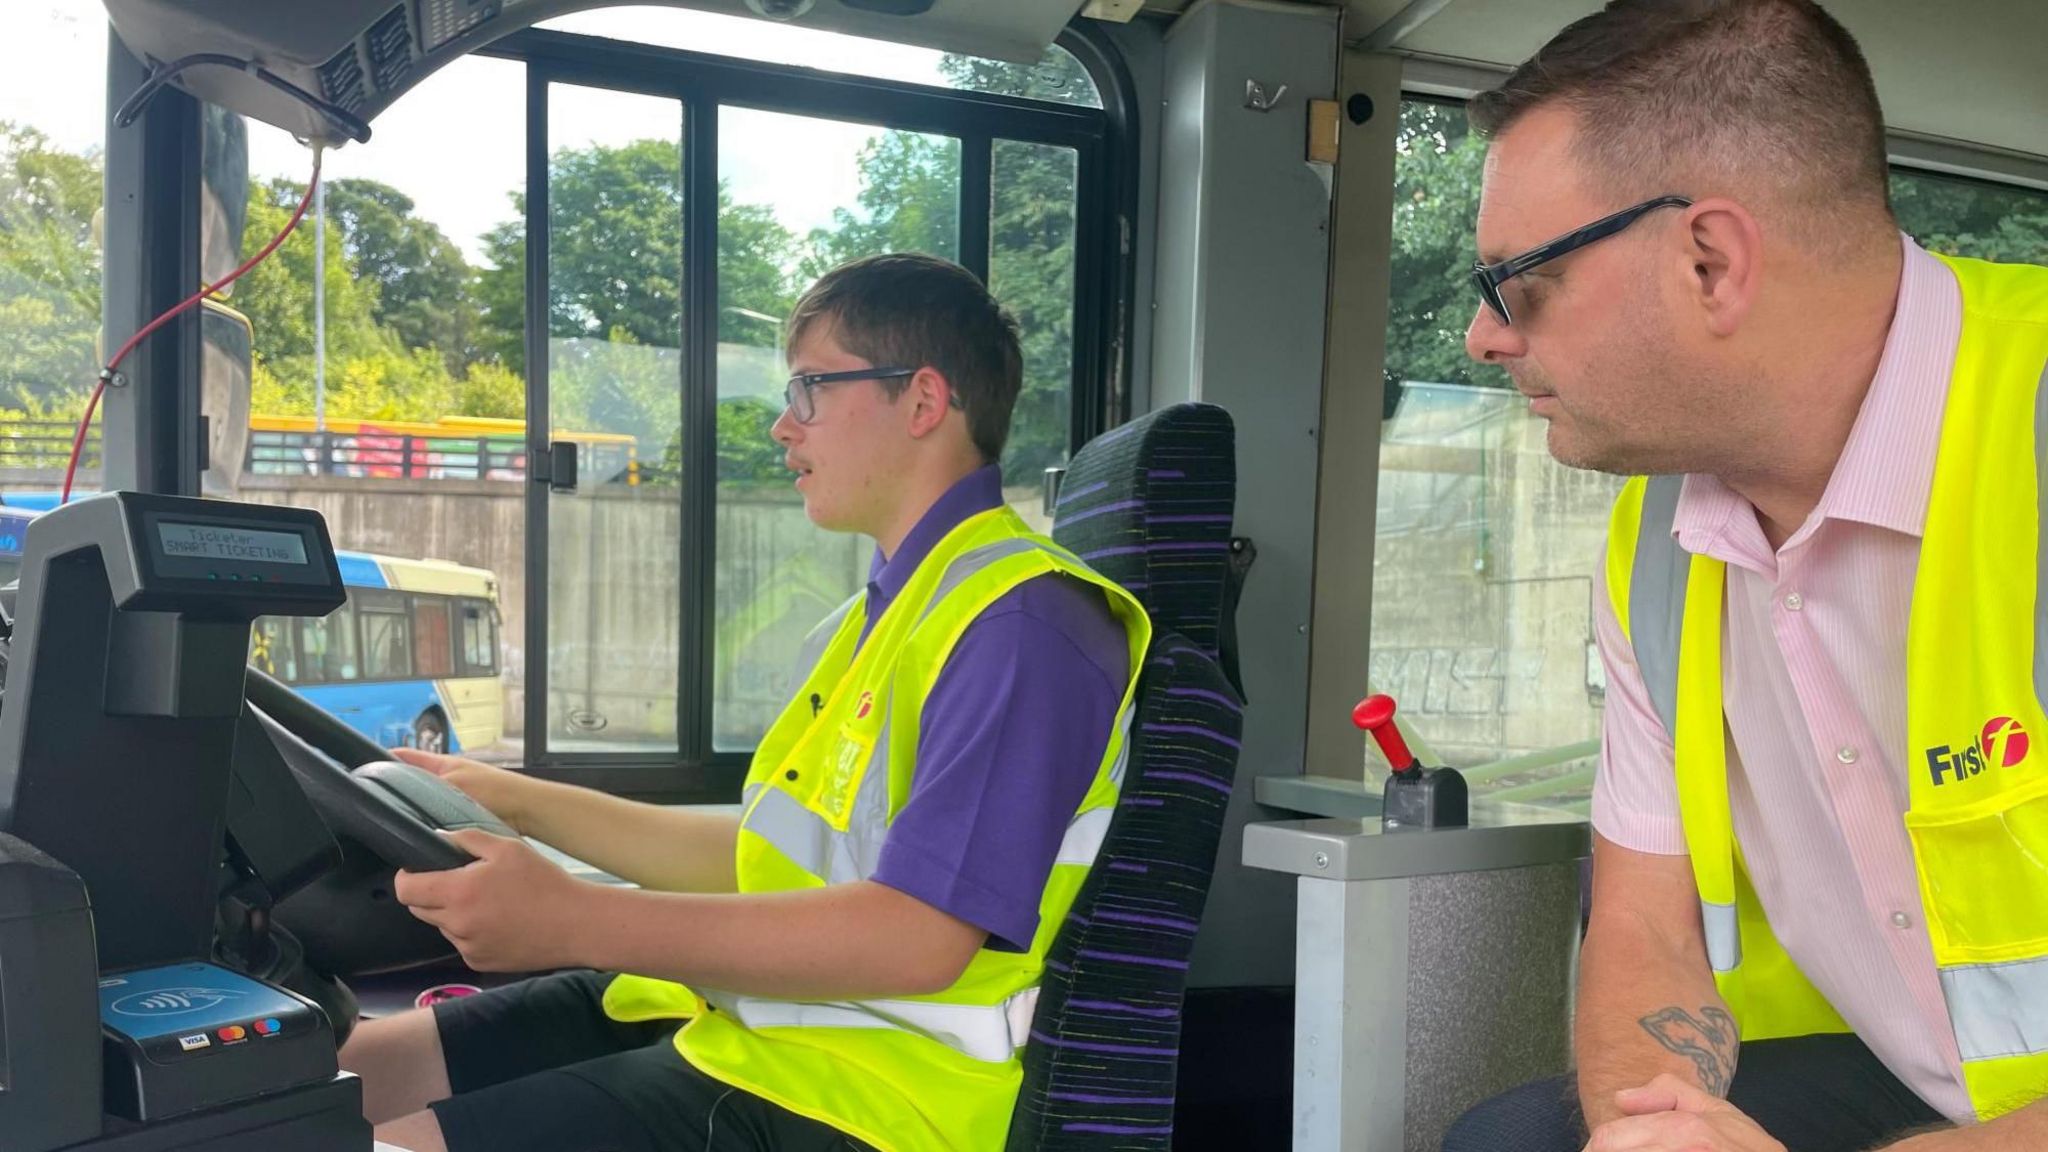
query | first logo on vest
(2002,743)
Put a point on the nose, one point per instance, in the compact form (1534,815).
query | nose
(1489,341)
(784,430)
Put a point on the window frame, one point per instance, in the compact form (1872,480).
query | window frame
(1104,140)
(1436,83)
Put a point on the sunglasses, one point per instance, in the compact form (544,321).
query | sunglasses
(1489,277)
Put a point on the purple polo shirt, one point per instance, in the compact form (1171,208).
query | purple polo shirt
(1012,734)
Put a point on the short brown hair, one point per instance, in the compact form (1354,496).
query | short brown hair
(908,310)
(1673,94)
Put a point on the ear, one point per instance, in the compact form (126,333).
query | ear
(925,401)
(1724,256)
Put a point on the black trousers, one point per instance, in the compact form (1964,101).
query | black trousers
(1811,1093)
(537,1067)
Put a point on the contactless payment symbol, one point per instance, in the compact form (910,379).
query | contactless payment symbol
(173,1001)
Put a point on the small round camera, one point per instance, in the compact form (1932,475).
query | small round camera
(779,9)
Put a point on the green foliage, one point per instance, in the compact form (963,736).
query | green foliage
(49,270)
(909,202)
(422,279)
(1436,206)
(414,332)
(1964,218)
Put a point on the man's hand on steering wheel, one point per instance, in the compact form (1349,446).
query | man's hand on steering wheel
(497,789)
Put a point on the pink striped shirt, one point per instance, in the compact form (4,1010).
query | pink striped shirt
(1814,679)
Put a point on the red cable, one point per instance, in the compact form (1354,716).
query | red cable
(205,290)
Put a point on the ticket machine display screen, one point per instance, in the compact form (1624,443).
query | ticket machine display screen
(244,545)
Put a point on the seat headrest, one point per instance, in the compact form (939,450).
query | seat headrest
(1149,505)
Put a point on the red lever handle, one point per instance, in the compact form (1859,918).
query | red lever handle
(1375,714)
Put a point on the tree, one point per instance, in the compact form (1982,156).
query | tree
(1436,207)
(1963,218)
(615,254)
(49,270)
(909,202)
(421,277)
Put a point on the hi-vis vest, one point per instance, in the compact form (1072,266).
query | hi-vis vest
(1976,754)
(923,1073)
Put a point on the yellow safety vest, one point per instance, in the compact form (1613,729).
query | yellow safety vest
(921,1073)
(1976,674)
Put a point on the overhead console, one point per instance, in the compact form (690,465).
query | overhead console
(324,71)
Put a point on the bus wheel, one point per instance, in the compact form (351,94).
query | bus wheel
(430,733)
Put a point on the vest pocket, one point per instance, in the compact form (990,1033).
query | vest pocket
(1984,875)
(839,773)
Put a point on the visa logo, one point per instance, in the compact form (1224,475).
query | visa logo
(193,1043)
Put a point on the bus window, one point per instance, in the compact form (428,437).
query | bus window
(387,639)
(1485,546)
(479,638)
(328,646)
(433,647)
(271,649)
(1983,221)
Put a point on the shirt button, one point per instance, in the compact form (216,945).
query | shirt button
(1901,920)
(1794,602)
(1846,754)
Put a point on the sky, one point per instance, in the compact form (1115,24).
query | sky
(456,144)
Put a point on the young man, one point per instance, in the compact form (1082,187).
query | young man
(862,945)
(1818,822)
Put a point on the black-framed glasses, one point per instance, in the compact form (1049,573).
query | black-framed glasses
(1489,277)
(804,406)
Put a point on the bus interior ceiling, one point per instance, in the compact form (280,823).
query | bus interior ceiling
(1258,279)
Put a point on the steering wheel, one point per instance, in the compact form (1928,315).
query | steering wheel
(394,810)
(390,808)
(384,816)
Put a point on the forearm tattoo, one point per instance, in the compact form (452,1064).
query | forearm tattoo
(1709,1040)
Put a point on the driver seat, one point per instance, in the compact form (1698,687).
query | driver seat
(1148,505)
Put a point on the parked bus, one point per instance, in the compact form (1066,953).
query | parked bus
(411,659)
(13,530)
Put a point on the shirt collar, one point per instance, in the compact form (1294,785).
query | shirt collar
(977,492)
(1887,465)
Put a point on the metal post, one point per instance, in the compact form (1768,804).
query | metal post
(150,416)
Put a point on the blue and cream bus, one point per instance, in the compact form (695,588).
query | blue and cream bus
(411,659)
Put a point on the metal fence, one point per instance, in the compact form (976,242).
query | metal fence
(395,456)
(45,444)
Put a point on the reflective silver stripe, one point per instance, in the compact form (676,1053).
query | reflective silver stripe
(1122,763)
(1656,597)
(804,837)
(748,793)
(971,563)
(2041,538)
(1086,831)
(1724,935)
(991,1033)
(1998,1009)
(820,638)
(811,843)
(1084,837)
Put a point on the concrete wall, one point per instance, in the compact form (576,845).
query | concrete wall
(1483,575)
(614,593)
